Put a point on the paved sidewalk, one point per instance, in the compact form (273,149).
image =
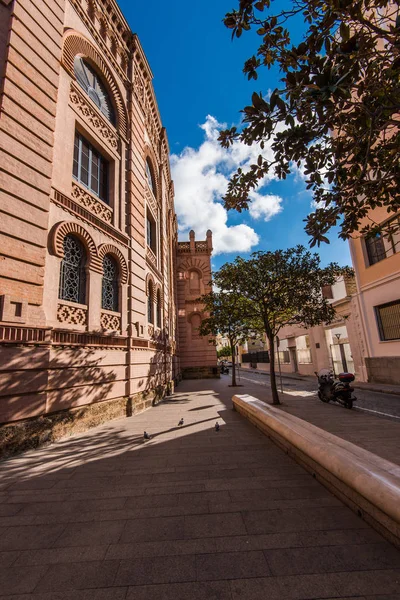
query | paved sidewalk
(190,515)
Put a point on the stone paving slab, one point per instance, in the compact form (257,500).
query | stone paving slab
(191,514)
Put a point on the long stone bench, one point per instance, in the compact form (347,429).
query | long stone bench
(368,484)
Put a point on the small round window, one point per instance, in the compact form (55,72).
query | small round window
(94,87)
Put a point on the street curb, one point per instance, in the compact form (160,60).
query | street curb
(368,484)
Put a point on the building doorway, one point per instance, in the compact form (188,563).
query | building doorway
(293,356)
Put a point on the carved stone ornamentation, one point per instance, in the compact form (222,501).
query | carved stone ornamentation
(95,206)
(110,322)
(139,88)
(151,201)
(71,315)
(150,330)
(90,115)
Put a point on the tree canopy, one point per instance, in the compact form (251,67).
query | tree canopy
(281,288)
(231,315)
(336,113)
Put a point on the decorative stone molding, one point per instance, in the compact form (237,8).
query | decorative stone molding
(75,43)
(151,257)
(71,314)
(62,229)
(116,252)
(96,206)
(76,210)
(13,334)
(150,200)
(110,321)
(201,247)
(150,330)
(184,248)
(98,340)
(150,278)
(83,105)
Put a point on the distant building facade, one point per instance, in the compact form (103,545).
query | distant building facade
(376,263)
(88,230)
(337,346)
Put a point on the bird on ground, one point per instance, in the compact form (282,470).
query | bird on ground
(217,426)
(146,436)
(180,423)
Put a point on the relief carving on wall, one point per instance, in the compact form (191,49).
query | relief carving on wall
(71,315)
(150,201)
(90,202)
(110,322)
(79,102)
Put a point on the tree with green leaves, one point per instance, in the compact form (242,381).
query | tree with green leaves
(336,113)
(231,315)
(281,288)
(224,351)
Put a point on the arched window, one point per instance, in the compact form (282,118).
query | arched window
(91,83)
(159,309)
(109,296)
(150,177)
(72,273)
(150,305)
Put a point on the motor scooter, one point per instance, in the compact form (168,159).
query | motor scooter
(338,391)
(224,369)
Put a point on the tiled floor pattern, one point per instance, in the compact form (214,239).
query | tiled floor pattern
(193,514)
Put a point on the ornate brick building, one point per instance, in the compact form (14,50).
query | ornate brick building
(88,232)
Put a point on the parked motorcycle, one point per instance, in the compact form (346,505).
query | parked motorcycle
(336,390)
(224,369)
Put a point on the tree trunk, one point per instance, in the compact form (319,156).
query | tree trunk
(274,390)
(233,365)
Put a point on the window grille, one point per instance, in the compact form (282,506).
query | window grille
(72,273)
(388,316)
(158,309)
(92,84)
(151,233)
(90,168)
(375,249)
(110,300)
(150,305)
(150,178)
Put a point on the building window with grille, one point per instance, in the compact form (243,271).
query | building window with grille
(151,230)
(72,273)
(388,316)
(375,249)
(150,304)
(381,246)
(159,309)
(150,178)
(92,84)
(90,168)
(109,297)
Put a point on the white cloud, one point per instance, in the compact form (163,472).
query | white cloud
(264,207)
(201,178)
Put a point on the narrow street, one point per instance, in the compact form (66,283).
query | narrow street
(386,406)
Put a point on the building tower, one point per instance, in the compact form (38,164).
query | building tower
(198,354)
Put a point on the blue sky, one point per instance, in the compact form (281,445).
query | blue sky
(200,87)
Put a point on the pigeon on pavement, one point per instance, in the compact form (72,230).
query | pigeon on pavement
(146,436)
(217,426)
(180,423)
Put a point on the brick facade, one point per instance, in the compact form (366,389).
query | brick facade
(61,150)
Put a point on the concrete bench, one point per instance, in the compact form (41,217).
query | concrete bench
(368,484)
